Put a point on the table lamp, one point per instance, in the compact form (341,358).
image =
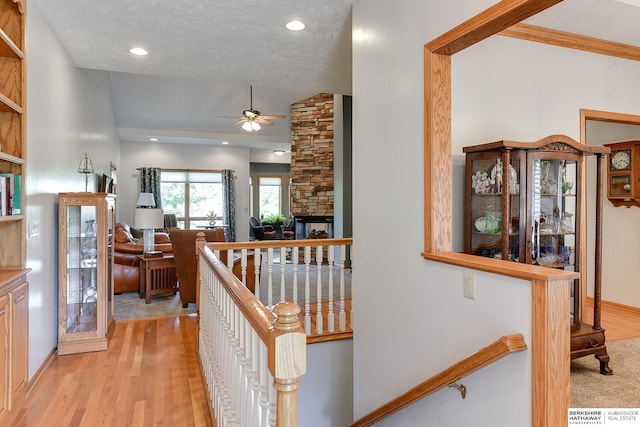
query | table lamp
(86,167)
(147,219)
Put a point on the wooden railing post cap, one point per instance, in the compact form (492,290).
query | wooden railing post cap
(287,313)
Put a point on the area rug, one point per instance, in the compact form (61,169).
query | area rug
(590,389)
(129,305)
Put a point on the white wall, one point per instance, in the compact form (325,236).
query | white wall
(325,396)
(68,113)
(416,322)
(176,156)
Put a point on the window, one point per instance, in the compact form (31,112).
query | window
(192,196)
(270,195)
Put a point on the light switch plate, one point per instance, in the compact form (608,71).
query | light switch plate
(34,230)
(469,285)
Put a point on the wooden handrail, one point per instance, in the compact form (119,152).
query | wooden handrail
(497,350)
(265,244)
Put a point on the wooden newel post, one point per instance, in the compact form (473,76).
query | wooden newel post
(287,362)
(201,241)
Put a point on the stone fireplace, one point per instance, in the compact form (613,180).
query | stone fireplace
(312,186)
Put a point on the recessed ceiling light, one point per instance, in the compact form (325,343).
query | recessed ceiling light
(295,26)
(138,51)
(225,143)
(278,152)
(153,139)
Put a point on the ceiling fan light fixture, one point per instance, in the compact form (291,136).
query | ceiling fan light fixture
(251,126)
(295,26)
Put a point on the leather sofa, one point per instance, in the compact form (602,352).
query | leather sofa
(126,265)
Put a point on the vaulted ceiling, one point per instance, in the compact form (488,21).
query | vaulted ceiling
(204,55)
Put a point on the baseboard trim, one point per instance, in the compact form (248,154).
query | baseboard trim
(38,374)
(616,306)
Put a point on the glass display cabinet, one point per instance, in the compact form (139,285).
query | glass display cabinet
(85,294)
(523,203)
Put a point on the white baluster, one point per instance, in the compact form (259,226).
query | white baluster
(319,320)
(270,277)
(330,319)
(264,386)
(243,266)
(283,265)
(256,261)
(294,261)
(255,383)
(307,266)
(230,259)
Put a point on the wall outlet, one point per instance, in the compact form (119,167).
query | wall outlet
(469,285)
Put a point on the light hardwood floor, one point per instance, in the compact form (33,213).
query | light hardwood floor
(619,322)
(149,376)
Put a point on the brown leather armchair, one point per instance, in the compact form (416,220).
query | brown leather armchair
(184,255)
(126,265)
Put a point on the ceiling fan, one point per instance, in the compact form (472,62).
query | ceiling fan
(252,119)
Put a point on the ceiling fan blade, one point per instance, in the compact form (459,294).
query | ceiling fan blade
(242,120)
(263,121)
(274,117)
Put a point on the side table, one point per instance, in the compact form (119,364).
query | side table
(157,276)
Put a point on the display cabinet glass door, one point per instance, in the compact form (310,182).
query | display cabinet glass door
(82,268)
(554,217)
(111,220)
(489,199)
(553,211)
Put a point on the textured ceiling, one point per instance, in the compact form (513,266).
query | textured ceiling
(205,54)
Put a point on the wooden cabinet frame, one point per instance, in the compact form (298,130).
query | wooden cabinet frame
(85,265)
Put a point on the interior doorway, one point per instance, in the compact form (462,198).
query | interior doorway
(620,225)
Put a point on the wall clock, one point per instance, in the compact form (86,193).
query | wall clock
(623,173)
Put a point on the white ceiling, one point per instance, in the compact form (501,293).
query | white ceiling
(204,55)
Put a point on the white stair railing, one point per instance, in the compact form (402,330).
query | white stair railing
(280,276)
(251,357)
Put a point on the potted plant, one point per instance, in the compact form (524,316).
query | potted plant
(276,221)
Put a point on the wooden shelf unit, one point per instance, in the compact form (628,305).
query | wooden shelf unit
(14,288)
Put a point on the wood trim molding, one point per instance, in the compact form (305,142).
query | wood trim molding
(498,17)
(621,309)
(550,384)
(437,152)
(572,41)
(504,268)
(550,348)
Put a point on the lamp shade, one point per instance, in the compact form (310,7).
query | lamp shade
(85,165)
(146,200)
(149,218)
